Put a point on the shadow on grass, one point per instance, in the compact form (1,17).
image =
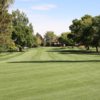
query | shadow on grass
(85,52)
(58,61)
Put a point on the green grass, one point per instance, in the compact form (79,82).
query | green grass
(50,74)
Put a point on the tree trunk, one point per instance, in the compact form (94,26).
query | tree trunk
(97,49)
(20,49)
(87,48)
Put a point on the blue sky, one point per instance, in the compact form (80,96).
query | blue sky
(56,15)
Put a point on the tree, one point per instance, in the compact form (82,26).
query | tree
(87,33)
(83,30)
(4,4)
(66,39)
(22,30)
(5,25)
(39,39)
(63,38)
(49,38)
(71,39)
(96,31)
(76,30)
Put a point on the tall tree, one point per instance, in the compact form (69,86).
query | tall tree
(5,24)
(22,30)
(87,34)
(4,4)
(83,30)
(96,32)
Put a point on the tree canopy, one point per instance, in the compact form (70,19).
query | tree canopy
(5,25)
(87,31)
(22,33)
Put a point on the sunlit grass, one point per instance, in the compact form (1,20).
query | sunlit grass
(50,74)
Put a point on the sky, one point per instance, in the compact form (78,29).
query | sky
(55,15)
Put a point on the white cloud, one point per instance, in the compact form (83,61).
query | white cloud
(44,7)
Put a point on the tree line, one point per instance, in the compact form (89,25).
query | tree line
(83,32)
(16,32)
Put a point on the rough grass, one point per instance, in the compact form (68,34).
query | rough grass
(50,74)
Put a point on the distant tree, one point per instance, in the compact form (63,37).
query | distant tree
(39,39)
(49,38)
(63,40)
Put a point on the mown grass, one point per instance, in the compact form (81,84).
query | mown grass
(50,74)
